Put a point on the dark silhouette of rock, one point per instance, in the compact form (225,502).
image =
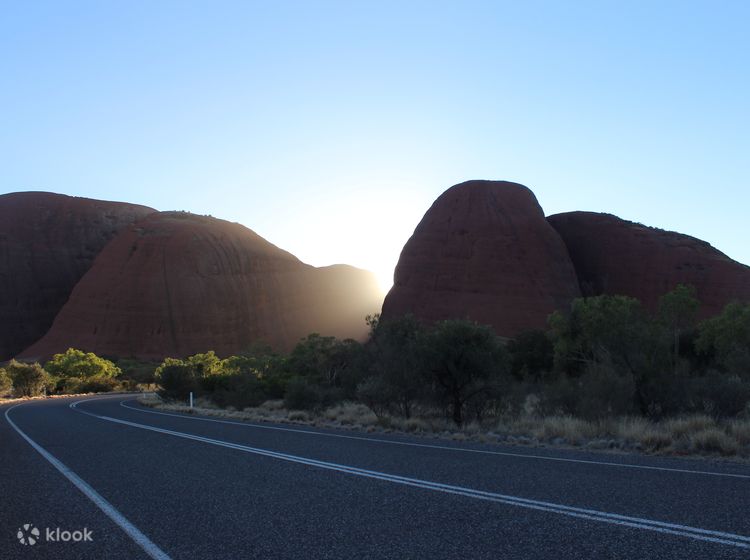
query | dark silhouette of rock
(47,242)
(484,251)
(615,256)
(175,284)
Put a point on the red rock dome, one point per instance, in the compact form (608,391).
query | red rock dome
(614,256)
(175,284)
(47,243)
(484,251)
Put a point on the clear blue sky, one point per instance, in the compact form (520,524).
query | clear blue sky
(330,127)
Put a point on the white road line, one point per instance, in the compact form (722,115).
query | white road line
(445,447)
(696,533)
(131,530)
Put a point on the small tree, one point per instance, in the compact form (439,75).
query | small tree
(6,384)
(465,363)
(396,364)
(206,364)
(311,359)
(330,365)
(177,378)
(29,380)
(678,311)
(76,363)
(613,331)
(728,336)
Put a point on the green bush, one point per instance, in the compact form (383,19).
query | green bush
(597,393)
(377,394)
(177,379)
(727,337)
(303,395)
(532,355)
(76,363)
(465,365)
(29,380)
(137,372)
(327,362)
(603,392)
(396,365)
(239,390)
(718,395)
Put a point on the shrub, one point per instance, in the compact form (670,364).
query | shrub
(95,384)
(603,392)
(465,364)
(301,395)
(240,390)
(654,439)
(177,379)
(559,397)
(299,416)
(137,371)
(740,430)
(719,395)
(727,336)
(6,384)
(599,392)
(714,440)
(351,413)
(377,394)
(532,355)
(396,355)
(573,430)
(98,384)
(29,380)
(76,363)
(684,426)
(326,361)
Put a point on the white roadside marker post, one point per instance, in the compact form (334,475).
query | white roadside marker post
(191,399)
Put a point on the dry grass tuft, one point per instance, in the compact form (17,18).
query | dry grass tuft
(655,439)
(740,430)
(631,428)
(351,414)
(714,440)
(415,425)
(686,425)
(299,416)
(273,405)
(573,430)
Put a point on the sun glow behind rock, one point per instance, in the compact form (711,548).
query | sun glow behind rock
(367,228)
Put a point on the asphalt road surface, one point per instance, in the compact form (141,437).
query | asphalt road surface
(107,478)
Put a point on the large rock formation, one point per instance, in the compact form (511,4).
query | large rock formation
(47,242)
(614,256)
(484,251)
(175,284)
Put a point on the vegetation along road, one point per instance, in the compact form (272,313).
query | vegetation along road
(152,484)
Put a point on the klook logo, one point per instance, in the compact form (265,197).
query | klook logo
(29,535)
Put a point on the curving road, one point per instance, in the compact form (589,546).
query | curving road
(122,481)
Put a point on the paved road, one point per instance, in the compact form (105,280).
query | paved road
(150,485)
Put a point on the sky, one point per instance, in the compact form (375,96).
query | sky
(330,127)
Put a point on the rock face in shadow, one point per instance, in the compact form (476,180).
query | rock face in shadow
(47,243)
(615,256)
(175,284)
(484,251)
